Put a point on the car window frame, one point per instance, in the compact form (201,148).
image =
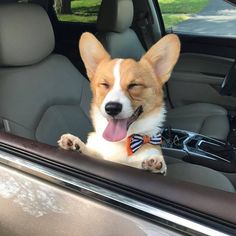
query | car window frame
(181,198)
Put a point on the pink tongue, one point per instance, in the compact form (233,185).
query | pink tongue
(116,130)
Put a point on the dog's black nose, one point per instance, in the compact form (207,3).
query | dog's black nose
(113,108)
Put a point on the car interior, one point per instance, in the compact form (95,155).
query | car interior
(44,91)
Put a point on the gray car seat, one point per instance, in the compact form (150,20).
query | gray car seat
(121,41)
(42,95)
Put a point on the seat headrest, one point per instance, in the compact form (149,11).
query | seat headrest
(26,34)
(115,15)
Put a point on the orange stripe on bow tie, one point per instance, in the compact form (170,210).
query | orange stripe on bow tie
(128,148)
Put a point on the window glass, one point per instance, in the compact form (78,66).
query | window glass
(77,10)
(205,17)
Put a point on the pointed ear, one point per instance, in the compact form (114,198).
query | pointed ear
(163,56)
(92,53)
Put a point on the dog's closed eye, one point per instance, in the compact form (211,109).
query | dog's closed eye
(134,90)
(104,85)
(134,85)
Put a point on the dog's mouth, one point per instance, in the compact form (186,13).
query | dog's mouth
(116,129)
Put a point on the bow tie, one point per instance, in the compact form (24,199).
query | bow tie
(135,141)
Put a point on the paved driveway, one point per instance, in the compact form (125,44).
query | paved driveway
(217,19)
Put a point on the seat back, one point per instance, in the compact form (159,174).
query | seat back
(114,30)
(42,95)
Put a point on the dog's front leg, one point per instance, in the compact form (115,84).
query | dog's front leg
(150,159)
(155,164)
(71,142)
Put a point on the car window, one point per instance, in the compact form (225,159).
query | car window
(77,10)
(201,17)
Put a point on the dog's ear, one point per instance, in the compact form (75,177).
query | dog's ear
(163,56)
(92,53)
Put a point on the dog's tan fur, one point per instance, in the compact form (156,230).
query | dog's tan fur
(141,82)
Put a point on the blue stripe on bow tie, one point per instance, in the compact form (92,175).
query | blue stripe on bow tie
(135,141)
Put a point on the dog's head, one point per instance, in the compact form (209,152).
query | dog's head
(125,88)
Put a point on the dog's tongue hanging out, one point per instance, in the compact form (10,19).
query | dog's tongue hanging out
(116,130)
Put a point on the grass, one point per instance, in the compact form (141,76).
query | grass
(171,20)
(182,6)
(174,11)
(75,18)
(83,11)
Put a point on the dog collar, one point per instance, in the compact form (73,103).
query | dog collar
(135,141)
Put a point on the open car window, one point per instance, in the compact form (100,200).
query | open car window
(207,18)
(57,98)
(77,11)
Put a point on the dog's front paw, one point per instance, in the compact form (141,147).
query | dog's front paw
(155,164)
(70,142)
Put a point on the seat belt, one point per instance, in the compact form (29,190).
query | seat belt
(144,24)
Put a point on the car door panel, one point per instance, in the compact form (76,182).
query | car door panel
(65,193)
(200,77)
(51,210)
(203,68)
(206,56)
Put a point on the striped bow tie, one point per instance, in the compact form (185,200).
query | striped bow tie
(135,141)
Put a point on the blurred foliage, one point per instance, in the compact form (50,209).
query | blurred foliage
(82,11)
(174,11)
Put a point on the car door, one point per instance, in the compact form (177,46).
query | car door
(46,191)
(208,38)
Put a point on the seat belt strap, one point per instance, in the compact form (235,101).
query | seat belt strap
(144,25)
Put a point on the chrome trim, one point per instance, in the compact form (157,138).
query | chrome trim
(164,217)
(207,155)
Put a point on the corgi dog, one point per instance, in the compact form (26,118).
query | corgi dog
(127,108)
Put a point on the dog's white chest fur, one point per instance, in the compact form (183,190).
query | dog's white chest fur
(117,152)
(109,151)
